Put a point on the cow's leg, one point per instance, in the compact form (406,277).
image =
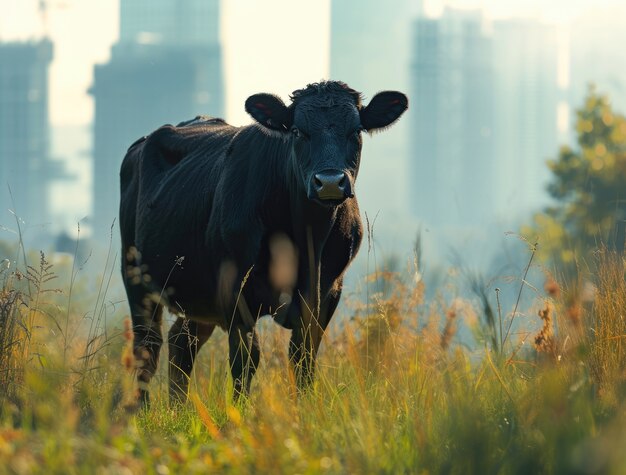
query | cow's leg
(146,316)
(306,338)
(303,345)
(329,305)
(242,240)
(185,338)
(244,355)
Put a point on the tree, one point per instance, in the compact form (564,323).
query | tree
(589,189)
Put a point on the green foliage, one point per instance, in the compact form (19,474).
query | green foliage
(589,188)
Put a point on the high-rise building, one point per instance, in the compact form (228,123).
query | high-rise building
(25,164)
(166,68)
(526,97)
(484,122)
(170,22)
(452,120)
(370,52)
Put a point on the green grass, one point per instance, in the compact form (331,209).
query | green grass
(395,393)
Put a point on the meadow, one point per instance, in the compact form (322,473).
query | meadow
(397,390)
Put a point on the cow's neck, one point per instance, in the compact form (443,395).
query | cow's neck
(308,214)
(311,227)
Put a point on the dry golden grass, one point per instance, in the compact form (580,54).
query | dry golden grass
(395,393)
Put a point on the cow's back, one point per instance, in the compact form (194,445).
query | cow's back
(168,181)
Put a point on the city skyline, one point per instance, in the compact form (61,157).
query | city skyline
(292,54)
(95,22)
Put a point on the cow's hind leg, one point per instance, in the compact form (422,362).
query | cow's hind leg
(185,339)
(146,314)
(244,356)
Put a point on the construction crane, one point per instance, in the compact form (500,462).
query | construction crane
(44,6)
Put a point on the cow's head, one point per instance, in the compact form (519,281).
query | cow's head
(325,122)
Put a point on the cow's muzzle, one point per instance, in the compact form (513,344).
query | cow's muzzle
(331,186)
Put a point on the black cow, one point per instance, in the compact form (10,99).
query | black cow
(208,210)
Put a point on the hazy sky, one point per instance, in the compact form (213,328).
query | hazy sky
(270,45)
(255,61)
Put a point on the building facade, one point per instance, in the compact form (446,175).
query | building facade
(452,120)
(526,98)
(25,164)
(173,22)
(484,115)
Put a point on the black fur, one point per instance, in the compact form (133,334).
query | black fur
(201,204)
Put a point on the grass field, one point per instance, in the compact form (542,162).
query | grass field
(396,391)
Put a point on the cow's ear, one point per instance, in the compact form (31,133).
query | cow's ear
(269,111)
(383,110)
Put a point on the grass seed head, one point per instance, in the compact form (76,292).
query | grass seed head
(544,340)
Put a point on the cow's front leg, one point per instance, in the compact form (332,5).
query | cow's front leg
(306,338)
(244,356)
(185,338)
(308,329)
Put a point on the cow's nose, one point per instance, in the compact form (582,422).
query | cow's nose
(332,185)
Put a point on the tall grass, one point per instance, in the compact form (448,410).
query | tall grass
(395,393)
(11,333)
(607,331)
